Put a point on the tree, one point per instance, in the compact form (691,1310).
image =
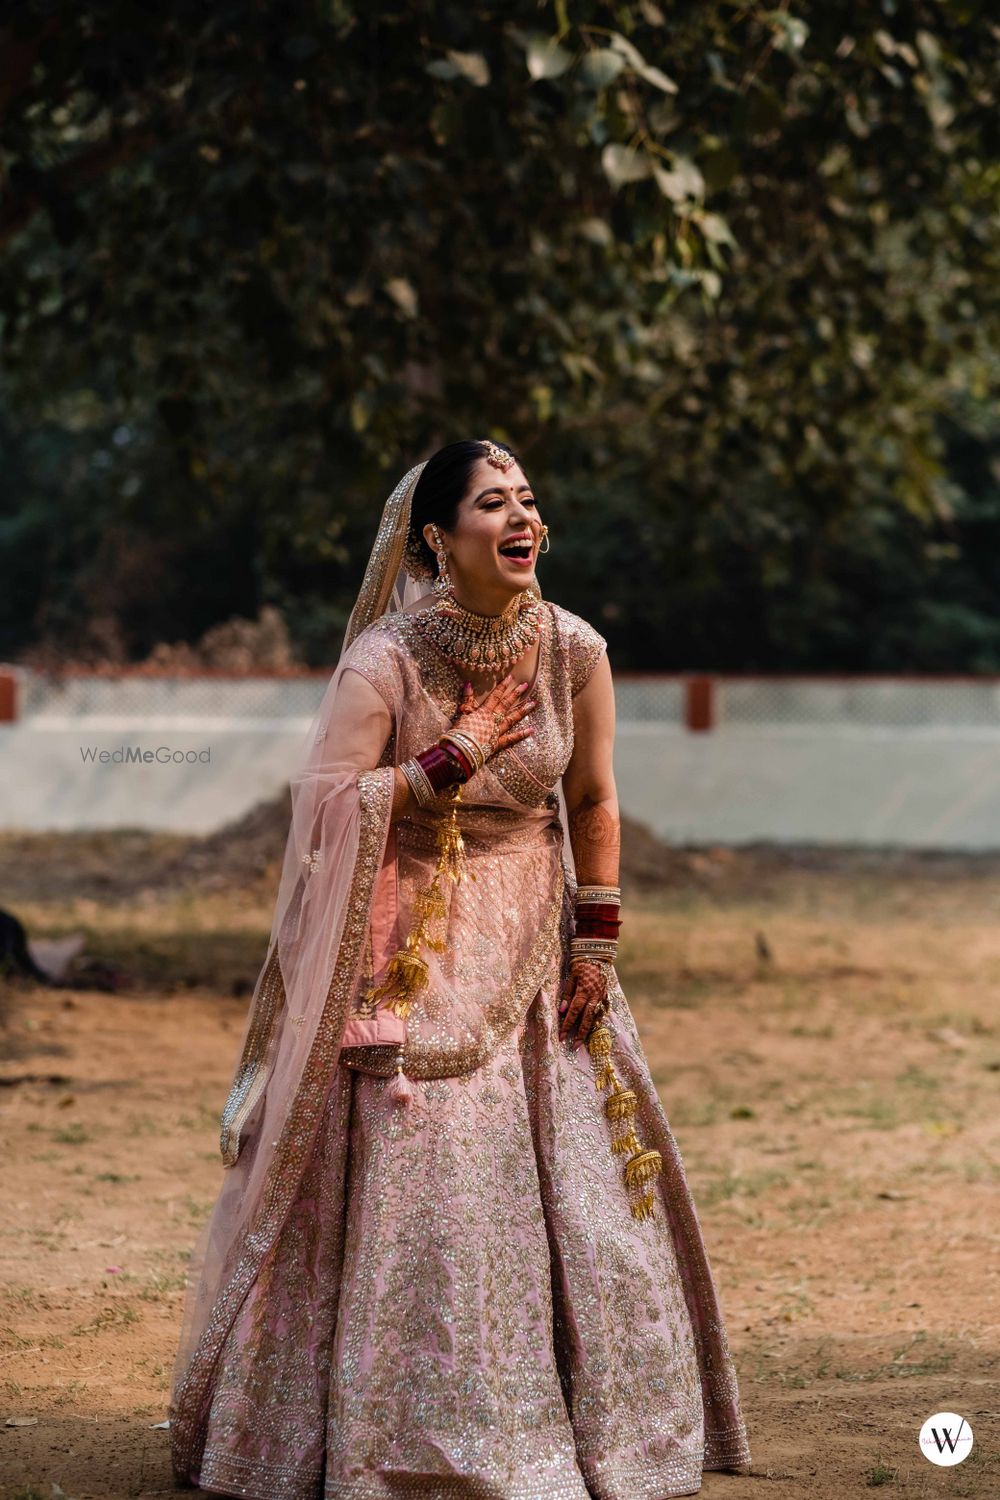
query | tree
(717,272)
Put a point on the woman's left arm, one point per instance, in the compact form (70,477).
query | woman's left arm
(594,826)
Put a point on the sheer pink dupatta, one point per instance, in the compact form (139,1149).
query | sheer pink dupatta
(338,870)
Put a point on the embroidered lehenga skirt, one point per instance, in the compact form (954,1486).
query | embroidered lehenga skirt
(460,1302)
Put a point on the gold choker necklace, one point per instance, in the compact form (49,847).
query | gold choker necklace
(482,643)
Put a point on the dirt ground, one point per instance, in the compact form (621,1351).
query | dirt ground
(825,1036)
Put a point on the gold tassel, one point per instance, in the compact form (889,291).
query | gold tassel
(642,1207)
(621,1105)
(408,972)
(642,1165)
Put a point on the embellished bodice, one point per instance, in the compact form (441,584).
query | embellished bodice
(408,671)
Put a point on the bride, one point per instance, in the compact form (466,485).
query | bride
(454,1252)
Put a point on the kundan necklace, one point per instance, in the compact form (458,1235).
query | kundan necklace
(482,643)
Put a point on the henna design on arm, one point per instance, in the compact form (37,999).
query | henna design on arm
(595,836)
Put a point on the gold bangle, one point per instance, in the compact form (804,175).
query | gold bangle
(465,742)
(419,782)
(598,893)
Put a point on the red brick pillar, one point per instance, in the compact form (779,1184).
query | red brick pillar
(699,703)
(8,697)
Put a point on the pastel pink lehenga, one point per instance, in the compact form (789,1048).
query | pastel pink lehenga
(448,1297)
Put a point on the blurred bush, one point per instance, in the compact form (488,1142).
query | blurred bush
(724,276)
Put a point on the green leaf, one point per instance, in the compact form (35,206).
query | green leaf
(597,231)
(472,66)
(624,164)
(403,294)
(441,67)
(638,63)
(601,67)
(683,184)
(790,32)
(545,57)
(715,228)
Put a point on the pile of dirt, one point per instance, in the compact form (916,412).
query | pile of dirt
(242,852)
(136,865)
(129,864)
(132,864)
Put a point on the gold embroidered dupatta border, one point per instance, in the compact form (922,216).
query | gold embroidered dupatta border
(251,1077)
(285,1170)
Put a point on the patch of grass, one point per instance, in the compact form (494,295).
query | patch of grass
(979,1169)
(794,1303)
(70,1393)
(880,1473)
(115,1177)
(10,1339)
(186,943)
(971,1476)
(156,1372)
(109,1317)
(48,1237)
(900,1366)
(805,1212)
(741,1185)
(156,1287)
(706,1109)
(72,1135)
(191,1211)
(915,1077)
(202,1118)
(881,1112)
(20,1296)
(160,1286)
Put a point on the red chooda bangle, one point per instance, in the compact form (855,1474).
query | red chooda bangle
(441,767)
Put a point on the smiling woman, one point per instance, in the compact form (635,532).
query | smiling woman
(455,1252)
(486,522)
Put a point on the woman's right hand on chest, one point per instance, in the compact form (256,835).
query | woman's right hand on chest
(496,722)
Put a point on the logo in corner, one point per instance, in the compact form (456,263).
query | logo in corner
(945,1439)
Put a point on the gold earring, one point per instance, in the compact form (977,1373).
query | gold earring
(545,539)
(443,581)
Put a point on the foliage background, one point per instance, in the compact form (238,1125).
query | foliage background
(724,275)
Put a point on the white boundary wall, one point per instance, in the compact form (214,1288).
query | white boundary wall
(868,761)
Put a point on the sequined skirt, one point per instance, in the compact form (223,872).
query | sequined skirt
(461,1304)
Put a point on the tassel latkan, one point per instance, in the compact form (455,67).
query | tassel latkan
(620,1106)
(400,1088)
(407,972)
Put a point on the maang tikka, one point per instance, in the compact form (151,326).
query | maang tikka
(498,457)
